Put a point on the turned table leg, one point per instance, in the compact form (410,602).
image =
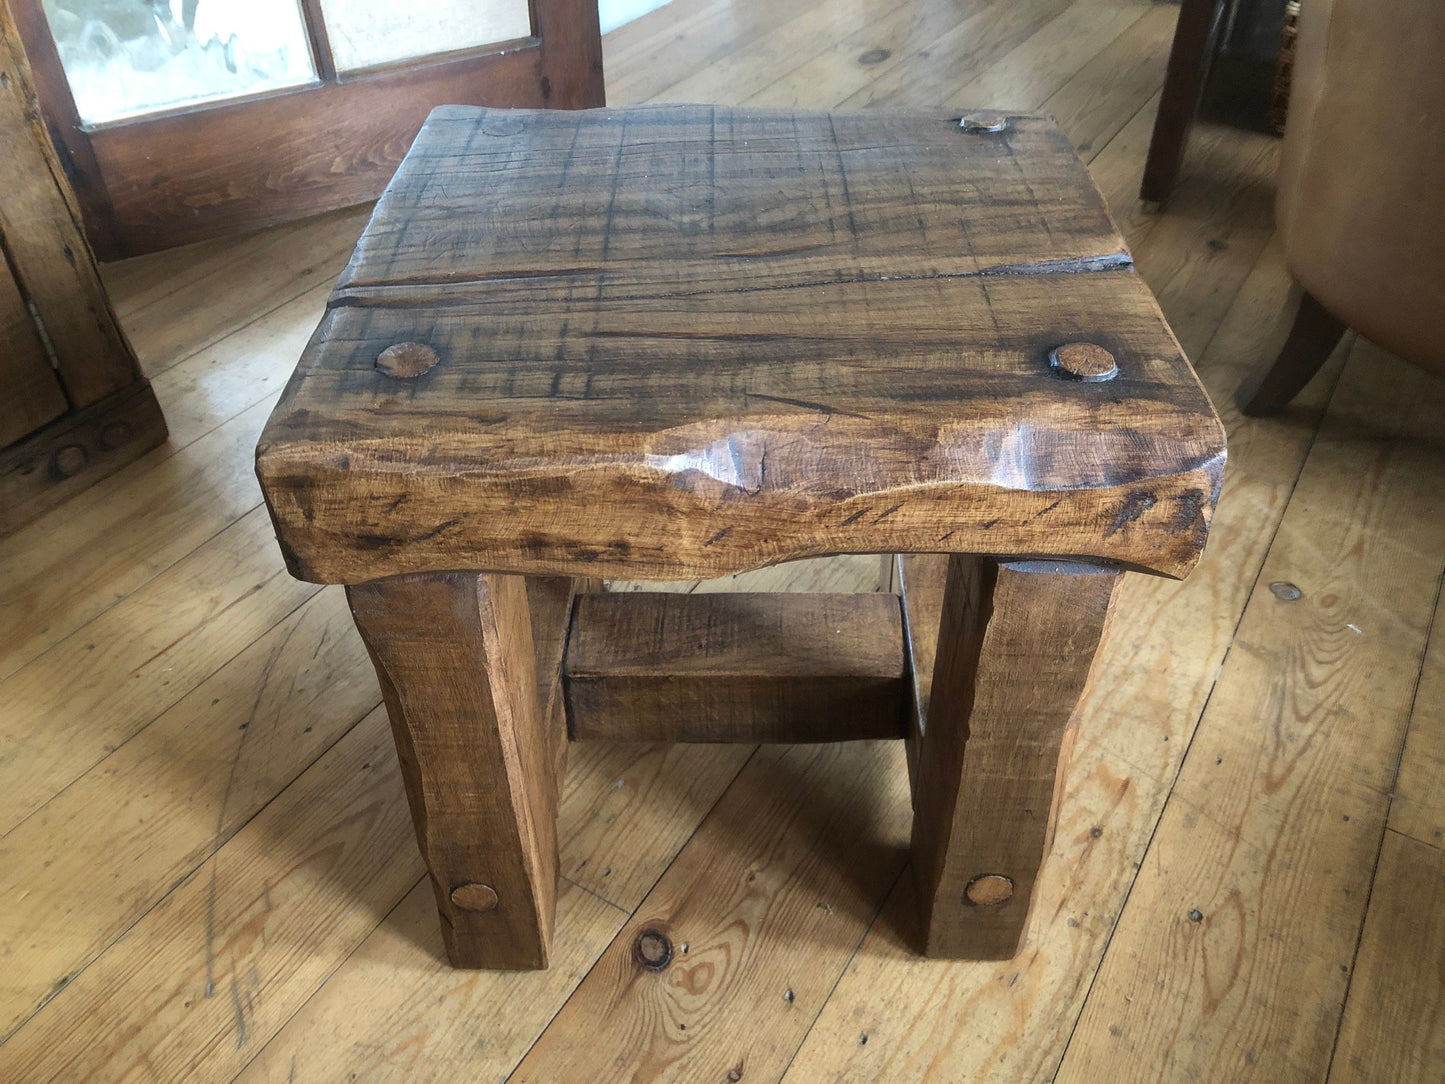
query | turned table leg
(454,654)
(1015,646)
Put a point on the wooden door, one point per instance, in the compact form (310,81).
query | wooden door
(299,144)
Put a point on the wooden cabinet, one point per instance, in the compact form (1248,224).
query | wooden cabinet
(74,406)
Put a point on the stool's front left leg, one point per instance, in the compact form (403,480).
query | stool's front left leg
(454,654)
(1015,646)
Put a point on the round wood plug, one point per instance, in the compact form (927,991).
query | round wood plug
(989,890)
(406,360)
(1084,361)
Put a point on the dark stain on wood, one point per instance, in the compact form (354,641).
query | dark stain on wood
(652,950)
(1135,505)
(740,385)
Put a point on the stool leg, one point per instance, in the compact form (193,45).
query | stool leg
(454,655)
(1015,647)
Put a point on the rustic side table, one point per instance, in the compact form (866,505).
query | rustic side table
(681,341)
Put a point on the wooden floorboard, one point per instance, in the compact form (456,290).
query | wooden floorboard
(1386,1034)
(206,863)
(1232,958)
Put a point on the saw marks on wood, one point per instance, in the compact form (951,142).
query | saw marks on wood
(205,802)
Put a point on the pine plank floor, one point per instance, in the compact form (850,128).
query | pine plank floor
(207,870)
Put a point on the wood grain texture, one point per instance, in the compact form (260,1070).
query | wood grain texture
(1277,814)
(395,1010)
(232,288)
(549,605)
(214,178)
(243,940)
(75,451)
(44,243)
(1016,644)
(999,1022)
(58,574)
(1039,67)
(806,50)
(1146,701)
(736,668)
(626,812)
(99,687)
(647,57)
(455,658)
(33,394)
(1418,808)
(390,1008)
(716,375)
(980,33)
(921,578)
(1114,86)
(1386,1036)
(76,881)
(767,899)
(1010,1022)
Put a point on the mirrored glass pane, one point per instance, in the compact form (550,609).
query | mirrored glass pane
(365,33)
(128,57)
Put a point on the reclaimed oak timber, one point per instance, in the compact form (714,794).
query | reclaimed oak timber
(921,578)
(1016,644)
(670,342)
(653,666)
(455,659)
(549,604)
(695,318)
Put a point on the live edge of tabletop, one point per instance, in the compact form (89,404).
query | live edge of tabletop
(682,341)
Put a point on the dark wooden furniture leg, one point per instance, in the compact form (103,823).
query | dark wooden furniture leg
(1189,58)
(1015,646)
(454,655)
(1312,338)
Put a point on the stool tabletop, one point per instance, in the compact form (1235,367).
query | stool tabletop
(676,341)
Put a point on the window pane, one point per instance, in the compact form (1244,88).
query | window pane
(127,57)
(365,33)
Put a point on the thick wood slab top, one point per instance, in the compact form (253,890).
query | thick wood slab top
(680,341)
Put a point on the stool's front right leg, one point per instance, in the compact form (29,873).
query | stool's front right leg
(1015,646)
(454,654)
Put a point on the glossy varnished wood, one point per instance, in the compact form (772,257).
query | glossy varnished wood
(736,667)
(681,341)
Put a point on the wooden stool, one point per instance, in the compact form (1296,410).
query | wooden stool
(677,342)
